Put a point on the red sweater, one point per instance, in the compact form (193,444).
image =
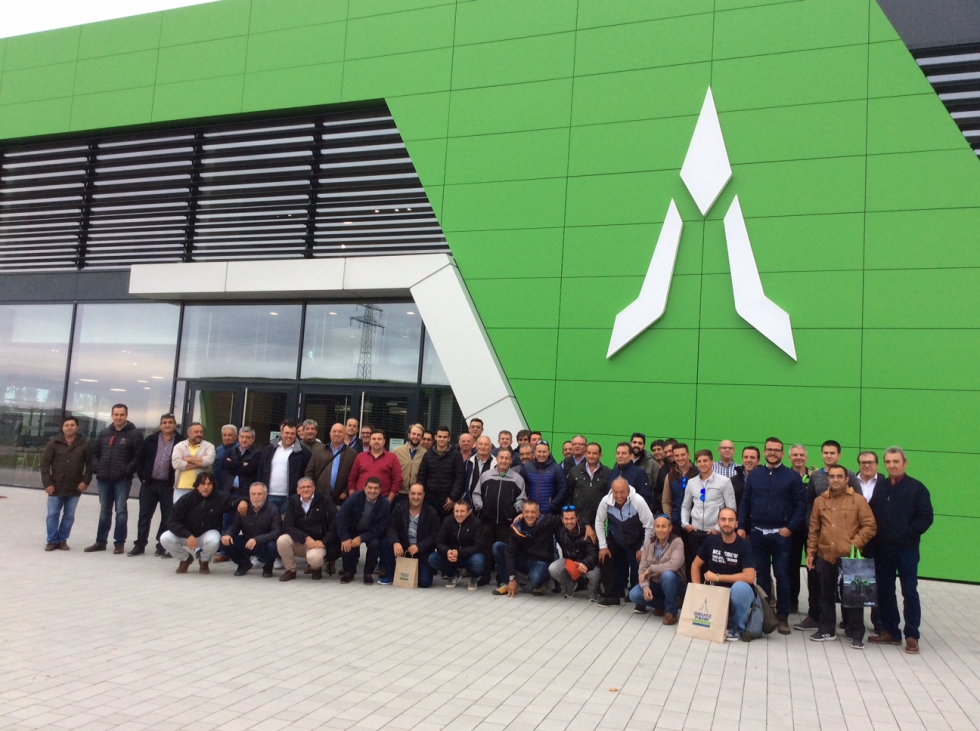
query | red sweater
(386,468)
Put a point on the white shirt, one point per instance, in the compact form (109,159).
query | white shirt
(868,488)
(279,475)
(306,505)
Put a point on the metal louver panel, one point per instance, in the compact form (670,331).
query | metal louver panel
(319,185)
(954,73)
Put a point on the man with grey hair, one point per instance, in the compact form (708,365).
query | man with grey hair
(307,436)
(229,439)
(577,456)
(255,533)
(726,464)
(903,511)
(309,529)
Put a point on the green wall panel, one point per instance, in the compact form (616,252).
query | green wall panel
(549,138)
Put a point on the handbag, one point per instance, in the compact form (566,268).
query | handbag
(704,615)
(406,573)
(858,587)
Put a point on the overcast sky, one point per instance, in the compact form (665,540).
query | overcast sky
(18,17)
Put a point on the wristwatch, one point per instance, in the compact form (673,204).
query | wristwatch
(513,578)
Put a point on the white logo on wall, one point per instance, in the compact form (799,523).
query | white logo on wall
(706,172)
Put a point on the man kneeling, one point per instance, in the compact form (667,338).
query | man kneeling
(309,529)
(363,519)
(412,532)
(580,557)
(530,549)
(662,575)
(459,546)
(255,533)
(726,559)
(195,523)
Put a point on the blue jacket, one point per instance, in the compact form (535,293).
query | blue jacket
(638,479)
(545,484)
(352,510)
(773,498)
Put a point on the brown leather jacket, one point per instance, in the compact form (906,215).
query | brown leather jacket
(839,522)
(64,466)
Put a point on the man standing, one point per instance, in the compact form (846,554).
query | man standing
(750,460)
(588,483)
(627,470)
(363,519)
(114,454)
(310,529)
(240,464)
(189,458)
(352,436)
(428,439)
(868,476)
(498,498)
(441,473)
(675,486)
(480,464)
(66,472)
(797,463)
(630,524)
(156,472)
(529,549)
(566,450)
(727,559)
(376,463)
(330,467)
(773,506)
(308,431)
(229,441)
(706,494)
(665,467)
(466,453)
(840,520)
(577,457)
(523,456)
(504,439)
(195,523)
(725,466)
(903,511)
(579,557)
(283,464)
(410,458)
(412,531)
(642,458)
(255,533)
(544,480)
(366,431)
(662,575)
(459,546)
(476,429)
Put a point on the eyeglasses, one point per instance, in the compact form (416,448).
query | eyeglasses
(776,451)
(566,508)
(702,494)
(867,462)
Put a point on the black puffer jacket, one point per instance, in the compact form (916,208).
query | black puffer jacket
(466,537)
(114,453)
(535,541)
(428,529)
(194,514)
(442,476)
(576,545)
(264,524)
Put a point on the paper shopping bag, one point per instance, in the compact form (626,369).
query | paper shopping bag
(704,615)
(406,573)
(858,587)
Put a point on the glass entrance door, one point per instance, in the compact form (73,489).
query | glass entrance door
(387,409)
(261,407)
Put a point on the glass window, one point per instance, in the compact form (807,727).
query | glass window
(33,355)
(432,371)
(362,342)
(240,341)
(122,353)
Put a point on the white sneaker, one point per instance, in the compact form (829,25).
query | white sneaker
(453,580)
(279,566)
(256,562)
(472,585)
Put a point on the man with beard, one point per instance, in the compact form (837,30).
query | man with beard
(726,559)
(195,523)
(579,557)
(190,457)
(409,457)
(642,458)
(254,534)
(156,473)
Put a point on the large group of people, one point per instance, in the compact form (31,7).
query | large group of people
(512,515)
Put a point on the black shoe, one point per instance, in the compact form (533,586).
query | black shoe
(243,568)
(95,547)
(136,551)
(346,578)
(609,601)
(160,551)
(639,610)
(483,581)
(166,554)
(266,573)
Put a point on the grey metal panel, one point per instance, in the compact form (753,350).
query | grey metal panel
(69,286)
(934,23)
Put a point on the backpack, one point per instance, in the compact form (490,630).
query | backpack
(767,622)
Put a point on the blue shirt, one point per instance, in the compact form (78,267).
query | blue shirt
(334,467)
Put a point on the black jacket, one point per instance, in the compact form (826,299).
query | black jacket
(738,485)
(903,512)
(466,537)
(442,476)
(576,545)
(534,542)
(585,492)
(350,514)
(243,465)
(65,467)
(148,454)
(428,529)
(194,514)
(320,523)
(298,460)
(264,524)
(499,498)
(114,452)
(773,498)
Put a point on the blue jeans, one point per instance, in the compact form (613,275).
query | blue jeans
(740,601)
(772,550)
(905,562)
(240,555)
(113,493)
(280,501)
(474,564)
(666,593)
(58,532)
(536,569)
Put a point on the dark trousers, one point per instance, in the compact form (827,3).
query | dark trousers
(240,555)
(692,544)
(814,591)
(349,560)
(153,493)
(771,552)
(828,575)
(904,562)
(797,546)
(620,572)
(494,533)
